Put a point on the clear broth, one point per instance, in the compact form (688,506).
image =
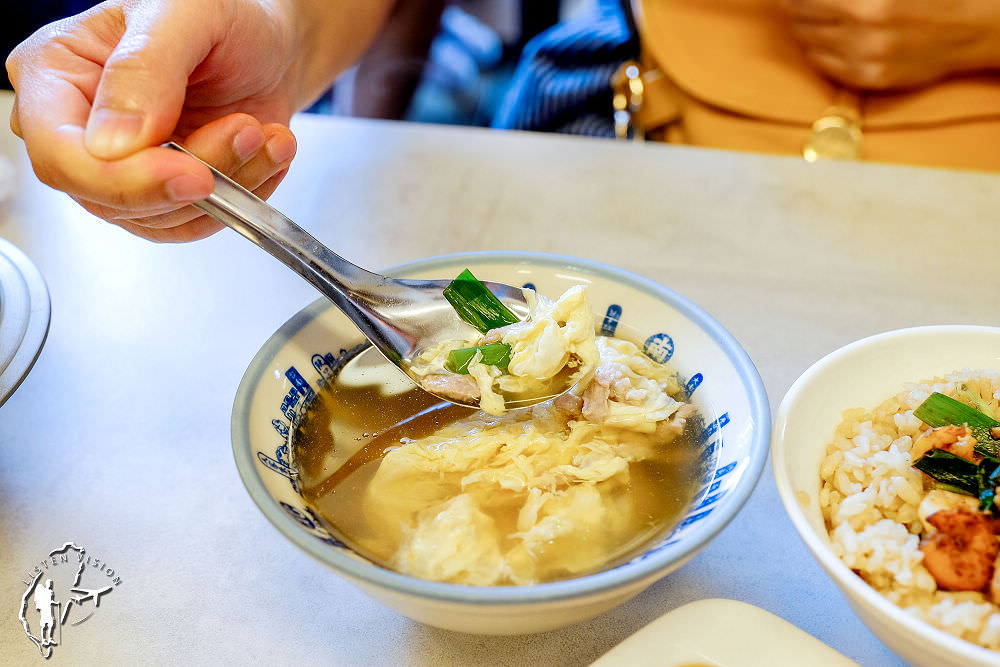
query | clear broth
(366,409)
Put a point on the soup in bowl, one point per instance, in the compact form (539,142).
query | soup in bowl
(317,416)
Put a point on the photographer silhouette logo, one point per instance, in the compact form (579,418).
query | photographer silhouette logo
(66,588)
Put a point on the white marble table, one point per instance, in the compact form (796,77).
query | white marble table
(118,439)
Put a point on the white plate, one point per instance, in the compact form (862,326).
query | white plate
(721,633)
(24,316)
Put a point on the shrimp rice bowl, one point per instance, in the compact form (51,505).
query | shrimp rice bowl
(907,495)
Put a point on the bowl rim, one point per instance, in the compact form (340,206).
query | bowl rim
(631,573)
(842,575)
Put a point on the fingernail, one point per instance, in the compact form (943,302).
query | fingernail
(280,148)
(247,142)
(112,133)
(187,188)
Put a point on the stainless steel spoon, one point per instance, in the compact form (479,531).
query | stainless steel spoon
(401,317)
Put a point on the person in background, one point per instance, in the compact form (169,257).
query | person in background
(97,93)
(885,80)
(881,80)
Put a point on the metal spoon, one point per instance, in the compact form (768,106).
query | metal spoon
(401,317)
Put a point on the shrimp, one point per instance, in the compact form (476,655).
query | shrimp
(955,439)
(961,554)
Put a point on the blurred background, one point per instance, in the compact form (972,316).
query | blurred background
(439,61)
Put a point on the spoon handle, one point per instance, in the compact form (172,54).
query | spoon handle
(344,283)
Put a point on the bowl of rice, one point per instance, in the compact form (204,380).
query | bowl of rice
(843,446)
(456,568)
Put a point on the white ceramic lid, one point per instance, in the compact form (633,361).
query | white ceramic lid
(721,633)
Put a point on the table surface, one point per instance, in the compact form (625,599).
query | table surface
(118,440)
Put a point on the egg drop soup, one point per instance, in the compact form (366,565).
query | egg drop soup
(446,493)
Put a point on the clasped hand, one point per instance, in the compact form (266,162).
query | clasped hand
(885,44)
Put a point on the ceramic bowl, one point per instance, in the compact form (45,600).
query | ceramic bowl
(863,374)
(296,360)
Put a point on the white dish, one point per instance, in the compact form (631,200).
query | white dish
(689,636)
(24,316)
(862,375)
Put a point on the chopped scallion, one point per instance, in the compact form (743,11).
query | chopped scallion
(941,410)
(476,305)
(953,473)
(950,470)
(494,354)
(976,401)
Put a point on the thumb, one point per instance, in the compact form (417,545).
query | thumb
(144,81)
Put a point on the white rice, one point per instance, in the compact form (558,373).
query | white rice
(870,493)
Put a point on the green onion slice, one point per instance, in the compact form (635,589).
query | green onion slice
(976,401)
(950,471)
(477,305)
(941,410)
(953,473)
(494,354)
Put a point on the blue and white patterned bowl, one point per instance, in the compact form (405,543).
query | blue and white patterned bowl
(297,360)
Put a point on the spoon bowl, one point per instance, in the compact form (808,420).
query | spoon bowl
(400,317)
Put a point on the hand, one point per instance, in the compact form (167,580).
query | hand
(883,44)
(97,93)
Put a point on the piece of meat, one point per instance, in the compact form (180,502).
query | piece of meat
(595,402)
(679,419)
(600,391)
(494,335)
(955,439)
(961,554)
(936,500)
(462,388)
(569,403)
